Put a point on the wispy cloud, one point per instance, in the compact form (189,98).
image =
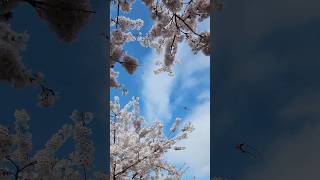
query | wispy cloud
(192,74)
(197,152)
(162,95)
(158,90)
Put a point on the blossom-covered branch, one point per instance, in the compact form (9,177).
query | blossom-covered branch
(137,150)
(65,17)
(18,163)
(174,21)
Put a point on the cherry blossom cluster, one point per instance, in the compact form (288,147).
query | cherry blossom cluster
(174,21)
(11,45)
(137,149)
(18,163)
(65,17)
(12,69)
(121,35)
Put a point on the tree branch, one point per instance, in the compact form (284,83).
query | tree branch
(18,169)
(28,165)
(118,12)
(85,173)
(183,21)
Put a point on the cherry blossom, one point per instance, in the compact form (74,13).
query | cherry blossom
(137,148)
(65,17)
(174,21)
(18,162)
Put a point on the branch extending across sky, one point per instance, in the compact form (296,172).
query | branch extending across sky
(137,149)
(172,22)
(44,164)
(65,18)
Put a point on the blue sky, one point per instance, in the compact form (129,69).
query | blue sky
(267,89)
(164,98)
(76,71)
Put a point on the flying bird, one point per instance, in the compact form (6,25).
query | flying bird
(249,150)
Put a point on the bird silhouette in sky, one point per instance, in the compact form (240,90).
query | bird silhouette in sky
(249,150)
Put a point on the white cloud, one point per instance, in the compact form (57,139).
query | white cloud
(205,95)
(192,67)
(156,91)
(193,71)
(197,152)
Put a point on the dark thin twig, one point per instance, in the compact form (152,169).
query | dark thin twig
(28,165)
(187,25)
(18,169)
(85,173)
(174,38)
(118,11)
